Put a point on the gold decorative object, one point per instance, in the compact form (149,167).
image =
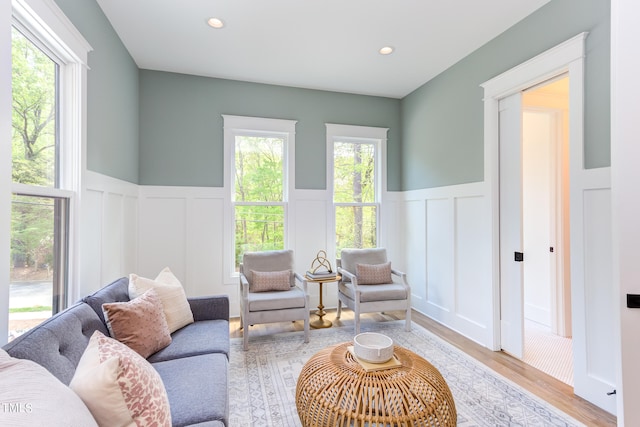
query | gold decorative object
(319,262)
(321,272)
(334,390)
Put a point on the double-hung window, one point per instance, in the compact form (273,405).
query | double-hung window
(259,152)
(46,83)
(355,169)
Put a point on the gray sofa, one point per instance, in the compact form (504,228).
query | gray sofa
(193,368)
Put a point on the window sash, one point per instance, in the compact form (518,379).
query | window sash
(241,126)
(44,24)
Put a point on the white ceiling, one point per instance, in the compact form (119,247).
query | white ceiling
(318,44)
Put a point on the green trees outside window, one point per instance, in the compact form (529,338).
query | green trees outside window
(34,142)
(355,194)
(259,194)
(39,214)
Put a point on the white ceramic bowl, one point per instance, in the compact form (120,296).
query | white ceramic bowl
(373,347)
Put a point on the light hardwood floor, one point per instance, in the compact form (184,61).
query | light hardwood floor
(537,382)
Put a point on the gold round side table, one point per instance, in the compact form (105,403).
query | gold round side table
(321,322)
(333,389)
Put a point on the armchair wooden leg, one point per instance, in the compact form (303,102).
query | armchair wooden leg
(407,320)
(245,338)
(339,311)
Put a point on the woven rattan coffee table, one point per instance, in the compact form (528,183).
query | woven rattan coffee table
(333,389)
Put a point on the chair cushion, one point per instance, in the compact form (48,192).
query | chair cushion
(374,274)
(265,281)
(350,257)
(263,301)
(369,293)
(267,261)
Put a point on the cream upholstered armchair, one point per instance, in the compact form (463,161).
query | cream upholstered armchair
(269,292)
(368,285)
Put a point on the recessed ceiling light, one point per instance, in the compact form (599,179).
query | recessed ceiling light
(387,50)
(215,23)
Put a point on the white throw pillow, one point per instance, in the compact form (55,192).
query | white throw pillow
(176,308)
(31,396)
(119,386)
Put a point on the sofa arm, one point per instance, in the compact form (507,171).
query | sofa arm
(210,308)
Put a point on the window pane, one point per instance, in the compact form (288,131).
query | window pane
(258,228)
(354,173)
(259,169)
(34,138)
(38,252)
(356,227)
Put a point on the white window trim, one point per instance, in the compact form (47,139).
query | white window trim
(370,134)
(243,125)
(45,20)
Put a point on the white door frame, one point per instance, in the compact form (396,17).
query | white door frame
(568,57)
(590,216)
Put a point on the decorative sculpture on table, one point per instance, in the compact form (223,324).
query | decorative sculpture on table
(320,267)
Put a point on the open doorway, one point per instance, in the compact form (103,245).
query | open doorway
(545,228)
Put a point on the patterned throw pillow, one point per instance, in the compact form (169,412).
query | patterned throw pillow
(139,323)
(264,281)
(119,386)
(174,300)
(374,274)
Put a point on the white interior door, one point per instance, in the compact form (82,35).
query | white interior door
(511,269)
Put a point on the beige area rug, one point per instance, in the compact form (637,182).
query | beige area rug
(262,381)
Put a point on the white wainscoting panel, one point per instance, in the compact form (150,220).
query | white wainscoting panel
(109,232)
(309,235)
(447,253)
(414,220)
(130,233)
(472,266)
(592,290)
(393,229)
(440,273)
(90,254)
(163,239)
(182,228)
(205,226)
(597,284)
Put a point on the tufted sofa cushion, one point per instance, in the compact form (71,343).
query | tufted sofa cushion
(58,342)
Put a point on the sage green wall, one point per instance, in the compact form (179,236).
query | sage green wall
(112,94)
(442,121)
(181,127)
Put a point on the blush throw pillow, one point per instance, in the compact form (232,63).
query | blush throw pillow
(119,386)
(176,308)
(139,323)
(374,274)
(265,281)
